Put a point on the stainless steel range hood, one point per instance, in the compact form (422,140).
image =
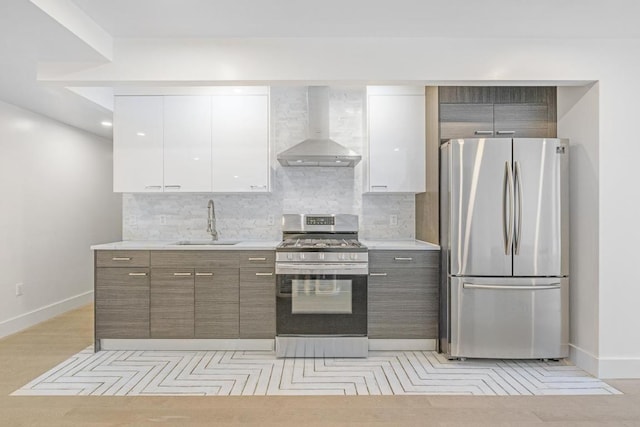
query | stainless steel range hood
(318,149)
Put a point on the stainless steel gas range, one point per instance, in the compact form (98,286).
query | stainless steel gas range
(321,300)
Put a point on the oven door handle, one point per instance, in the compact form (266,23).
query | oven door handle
(319,269)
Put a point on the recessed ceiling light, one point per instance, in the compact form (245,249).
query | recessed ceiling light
(140,134)
(106,124)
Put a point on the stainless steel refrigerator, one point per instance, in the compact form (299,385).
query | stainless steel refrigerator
(504,232)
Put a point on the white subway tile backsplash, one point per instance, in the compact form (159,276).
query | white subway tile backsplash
(294,190)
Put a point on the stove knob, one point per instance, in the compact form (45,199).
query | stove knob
(321,256)
(289,256)
(354,256)
(301,256)
(342,256)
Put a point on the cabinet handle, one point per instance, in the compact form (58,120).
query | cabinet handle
(379,186)
(264,274)
(483,132)
(258,187)
(506,132)
(377,274)
(173,187)
(182,274)
(137,274)
(121,258)
(403,259)
(204,274)
(152,187)
(258,259)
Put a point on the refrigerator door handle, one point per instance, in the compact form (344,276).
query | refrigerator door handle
(507,208)
(518,207)
(511,287)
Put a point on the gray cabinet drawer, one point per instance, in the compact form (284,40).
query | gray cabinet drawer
(521,121)
(257,258)
(122,258)
(195,259)
(380,260)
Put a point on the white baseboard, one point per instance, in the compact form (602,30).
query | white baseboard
(619,368)
(584,359)
(26,320)
(406,345)
(187,344)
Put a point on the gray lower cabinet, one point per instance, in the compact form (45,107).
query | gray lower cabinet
(257,302)
(172,303)
(217,296)
(403,294)
(121,302)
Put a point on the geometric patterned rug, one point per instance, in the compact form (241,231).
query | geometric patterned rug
(250,373)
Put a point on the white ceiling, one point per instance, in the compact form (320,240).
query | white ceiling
(29,36)
(365,18)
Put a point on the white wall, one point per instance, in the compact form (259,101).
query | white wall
(578,119)
(614,63)
(56,200)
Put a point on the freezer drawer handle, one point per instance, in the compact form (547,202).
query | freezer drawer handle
(510,287)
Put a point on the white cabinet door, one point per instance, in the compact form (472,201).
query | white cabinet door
(240,143)
(187,143)
(396,143)
(137,144)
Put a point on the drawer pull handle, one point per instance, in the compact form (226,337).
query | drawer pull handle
(137,274)
(182,274)
(506,132)
(173,187)
(264,274)
(153,187)
(377,274)
(204,274)
(258,259)
(121,258)
(398,258)
(258,187)
(483,132)
(379,186)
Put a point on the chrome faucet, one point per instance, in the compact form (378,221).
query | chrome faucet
(211,221)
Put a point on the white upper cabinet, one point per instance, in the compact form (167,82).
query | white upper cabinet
(240,141)
(138,144)
(396,130)
(187,143)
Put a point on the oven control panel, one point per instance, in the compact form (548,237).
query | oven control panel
(321,220)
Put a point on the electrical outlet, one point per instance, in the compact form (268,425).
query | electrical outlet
(163,220)
(19,289)
(271,220)
(393,219)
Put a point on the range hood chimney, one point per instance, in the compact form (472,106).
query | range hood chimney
(318,149)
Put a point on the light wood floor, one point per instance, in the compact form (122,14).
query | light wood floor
(26,355)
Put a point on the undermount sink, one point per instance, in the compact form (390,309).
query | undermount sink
(207,242)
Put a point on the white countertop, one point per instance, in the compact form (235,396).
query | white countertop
(151,245)
(406,245)
(245,245)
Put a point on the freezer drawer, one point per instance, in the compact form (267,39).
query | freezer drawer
(509,318)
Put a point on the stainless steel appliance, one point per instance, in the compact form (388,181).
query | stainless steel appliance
(505,241)
(321,299)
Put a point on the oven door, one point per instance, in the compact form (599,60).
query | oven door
(321,304)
